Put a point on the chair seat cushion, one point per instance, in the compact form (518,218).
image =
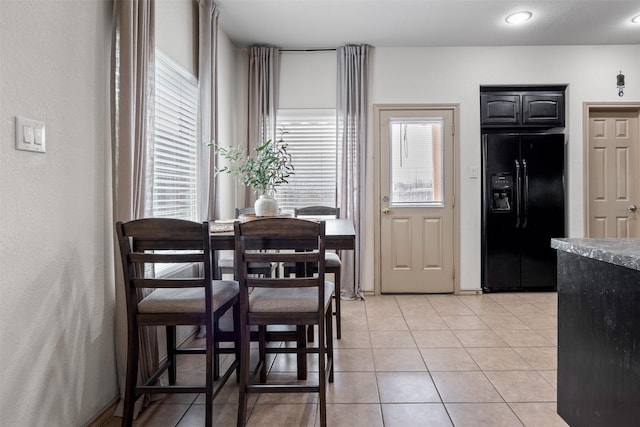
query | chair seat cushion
(267,300)
(331,259)
(187,300)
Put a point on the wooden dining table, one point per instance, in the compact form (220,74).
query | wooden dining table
(339,235)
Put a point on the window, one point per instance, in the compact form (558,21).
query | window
(416,159)
(311,140)
(175,151)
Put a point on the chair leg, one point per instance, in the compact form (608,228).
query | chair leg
(131,378)
(329,344)
(301,357)
(262,346)
(171,353)
(244,374)
(216,353)
(236,339)
(211,363)
(336,298)
(323,338)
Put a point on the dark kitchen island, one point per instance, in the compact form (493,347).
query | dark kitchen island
(599,331)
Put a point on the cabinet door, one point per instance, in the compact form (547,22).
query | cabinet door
(545,109)
(499,110)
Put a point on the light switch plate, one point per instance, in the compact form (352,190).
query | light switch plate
(30,135)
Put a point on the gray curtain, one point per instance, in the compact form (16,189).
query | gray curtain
(351,109)
(207,78)
(131,99)
(264,75)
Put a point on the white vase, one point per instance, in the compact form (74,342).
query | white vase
(266,206)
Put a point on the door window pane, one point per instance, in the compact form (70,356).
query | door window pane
(416,162)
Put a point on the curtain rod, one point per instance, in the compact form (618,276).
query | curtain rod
(309,50)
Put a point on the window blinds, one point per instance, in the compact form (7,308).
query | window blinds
(175,145)
(311,139)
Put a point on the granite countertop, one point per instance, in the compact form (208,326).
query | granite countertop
(622,252)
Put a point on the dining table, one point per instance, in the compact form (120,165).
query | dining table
(339,235)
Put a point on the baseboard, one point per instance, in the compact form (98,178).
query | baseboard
(469,292)
(105,415)
(459,292)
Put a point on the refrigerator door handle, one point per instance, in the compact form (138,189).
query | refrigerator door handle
(526,193)
(518,186)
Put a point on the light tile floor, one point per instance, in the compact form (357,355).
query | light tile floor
(411,360)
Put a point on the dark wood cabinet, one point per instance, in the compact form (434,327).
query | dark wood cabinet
(543,109)
(498,109)
(522,108)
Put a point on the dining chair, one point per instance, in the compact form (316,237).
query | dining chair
(333,264)
(292,300)
(226,263)
(189,297)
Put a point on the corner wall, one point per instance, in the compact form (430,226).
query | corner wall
(57,360)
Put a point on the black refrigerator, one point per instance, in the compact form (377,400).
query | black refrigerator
(522,209)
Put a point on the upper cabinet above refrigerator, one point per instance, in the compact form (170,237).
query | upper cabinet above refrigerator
(521,107)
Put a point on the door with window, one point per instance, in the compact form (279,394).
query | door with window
(416,228)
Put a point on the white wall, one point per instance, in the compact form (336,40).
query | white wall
(454,75)
(177,31)
(58,302)
(308,79)
(57,362)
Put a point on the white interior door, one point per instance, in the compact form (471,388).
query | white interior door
(614,173)
(416,243)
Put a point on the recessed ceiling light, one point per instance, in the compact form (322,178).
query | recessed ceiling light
(636,19)
(518,17)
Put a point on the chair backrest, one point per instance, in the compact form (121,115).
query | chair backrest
(280,239)
(245,211)
(319,211)
(146,243)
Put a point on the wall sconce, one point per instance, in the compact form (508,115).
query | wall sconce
(620,80)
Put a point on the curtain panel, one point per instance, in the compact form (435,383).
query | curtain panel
(264,76)
(207,79)
(131,99)
(351,110)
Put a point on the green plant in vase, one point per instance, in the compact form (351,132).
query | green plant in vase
(270,167)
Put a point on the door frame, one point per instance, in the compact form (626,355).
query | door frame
(377,203)
(587,108)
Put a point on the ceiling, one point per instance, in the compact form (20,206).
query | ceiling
(300,24)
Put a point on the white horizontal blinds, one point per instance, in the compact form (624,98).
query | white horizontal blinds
(416,173)
(175,150)
(311,140)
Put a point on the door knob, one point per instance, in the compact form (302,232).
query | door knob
(385,211)
(632,208)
